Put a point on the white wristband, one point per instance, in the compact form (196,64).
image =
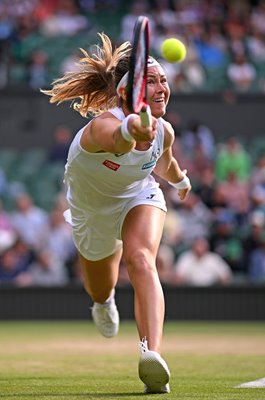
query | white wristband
(124,129)
(183,184)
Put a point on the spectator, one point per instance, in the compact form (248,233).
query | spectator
(30,221)
(257,194)
(232,157)
(212,26)
(173,230)
(15,257)
(252,236)
(59,240)
(9,266)
(206,187)
(163,15)
(198,133)
(3,182)
(258,171)
(137,8)
(62,139)
(37,70)
(45,270)
(69,63)
(257,17)
(195,218)
(241,73)
(178,80)
(200,267)
(44,9)
(236,27)
(195,74)
(5,219)
(235,193)
(7,239)
(225,239)
(201,162)
(187,13)
(65,21)
(257,262)
(211,56)
(256,47)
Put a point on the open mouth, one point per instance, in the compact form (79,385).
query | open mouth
(160,100)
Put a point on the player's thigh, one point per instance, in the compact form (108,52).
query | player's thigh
(101,274)
(142,229)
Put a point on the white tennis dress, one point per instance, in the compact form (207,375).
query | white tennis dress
(103,187)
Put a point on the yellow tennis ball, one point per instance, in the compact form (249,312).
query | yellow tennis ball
(173,50)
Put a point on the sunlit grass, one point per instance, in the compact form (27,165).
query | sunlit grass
(70,360)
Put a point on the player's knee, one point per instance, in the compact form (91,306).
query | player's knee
(139,261)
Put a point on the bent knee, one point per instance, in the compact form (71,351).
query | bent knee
(140,261)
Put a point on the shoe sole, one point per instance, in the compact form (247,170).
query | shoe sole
(153,372)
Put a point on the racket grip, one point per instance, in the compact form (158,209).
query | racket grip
(146,117)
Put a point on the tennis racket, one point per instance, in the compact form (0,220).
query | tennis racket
(137,78)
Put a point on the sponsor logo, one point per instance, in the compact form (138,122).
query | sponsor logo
(111,165)
(150,164)
(155,154)
(153,159)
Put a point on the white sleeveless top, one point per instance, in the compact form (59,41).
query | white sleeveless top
(102,181)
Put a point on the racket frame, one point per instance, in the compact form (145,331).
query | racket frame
(137,95)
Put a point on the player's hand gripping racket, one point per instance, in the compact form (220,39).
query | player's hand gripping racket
(137,79)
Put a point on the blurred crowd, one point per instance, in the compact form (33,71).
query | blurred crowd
(39,39)
(215,237)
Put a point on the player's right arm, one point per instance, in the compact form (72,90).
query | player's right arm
(105,134)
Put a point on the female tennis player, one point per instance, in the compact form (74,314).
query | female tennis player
(115,205)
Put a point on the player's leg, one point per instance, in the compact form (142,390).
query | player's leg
(141,235)
(100,278)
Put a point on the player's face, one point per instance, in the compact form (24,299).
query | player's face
(158,91)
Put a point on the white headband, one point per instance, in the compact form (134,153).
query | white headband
(124,80)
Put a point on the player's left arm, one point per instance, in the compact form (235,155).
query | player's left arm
(168,168)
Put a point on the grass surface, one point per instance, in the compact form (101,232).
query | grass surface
(69,360)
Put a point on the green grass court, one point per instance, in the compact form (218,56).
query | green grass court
(70,360)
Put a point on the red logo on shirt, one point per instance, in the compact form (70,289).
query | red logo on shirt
(111,165)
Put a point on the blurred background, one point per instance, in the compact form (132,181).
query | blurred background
(214,242)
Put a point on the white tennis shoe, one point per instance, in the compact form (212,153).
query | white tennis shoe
(153,371)
(164,389)
(106,318)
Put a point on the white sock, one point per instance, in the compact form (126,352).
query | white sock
(109,299)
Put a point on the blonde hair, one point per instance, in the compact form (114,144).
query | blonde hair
(95,81)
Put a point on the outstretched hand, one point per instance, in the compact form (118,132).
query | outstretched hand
(141,133)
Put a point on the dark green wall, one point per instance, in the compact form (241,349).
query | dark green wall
(231,303)
(27,119)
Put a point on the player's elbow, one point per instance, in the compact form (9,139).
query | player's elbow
(161,170)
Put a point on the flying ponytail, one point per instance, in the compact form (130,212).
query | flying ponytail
(92,86)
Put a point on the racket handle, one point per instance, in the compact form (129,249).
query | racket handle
(146,117)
